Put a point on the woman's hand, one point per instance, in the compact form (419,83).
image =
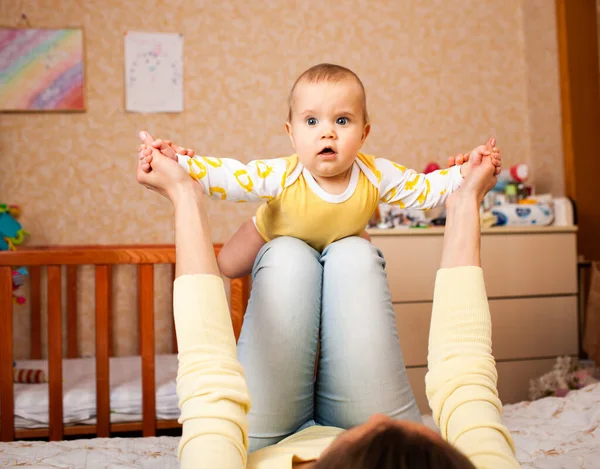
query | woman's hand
(489,149)
(166,147)
(166,178)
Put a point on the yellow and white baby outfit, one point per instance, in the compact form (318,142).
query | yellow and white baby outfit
(297,206)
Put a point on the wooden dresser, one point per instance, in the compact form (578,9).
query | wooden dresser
(531,281)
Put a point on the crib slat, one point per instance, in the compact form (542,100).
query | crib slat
(72,351)
(36,315)
(146,315)
(240,293)
(7,403)
(55,390)
(103,302)
(175,347)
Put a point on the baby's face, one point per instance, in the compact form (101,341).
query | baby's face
(327,128)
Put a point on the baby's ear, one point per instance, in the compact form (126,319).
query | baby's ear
(288,129)
(366,132)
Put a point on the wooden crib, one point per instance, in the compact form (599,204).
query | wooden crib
(103,258)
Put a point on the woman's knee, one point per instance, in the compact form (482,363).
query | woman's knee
(288,256)
(353,254)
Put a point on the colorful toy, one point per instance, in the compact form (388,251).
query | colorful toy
(12,235)
(18,279)
(29,376)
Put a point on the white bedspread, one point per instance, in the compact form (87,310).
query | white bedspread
(551,433)
(557,433)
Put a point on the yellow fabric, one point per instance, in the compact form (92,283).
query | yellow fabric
(214,400)
(301,213)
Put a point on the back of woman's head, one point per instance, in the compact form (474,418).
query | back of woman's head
(395,448)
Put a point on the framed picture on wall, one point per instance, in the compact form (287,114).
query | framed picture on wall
(153,72)
(41,69)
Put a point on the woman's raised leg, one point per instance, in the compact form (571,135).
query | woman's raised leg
(361,367)
(279,337)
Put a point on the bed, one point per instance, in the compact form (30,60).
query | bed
(552,433)
(106,394)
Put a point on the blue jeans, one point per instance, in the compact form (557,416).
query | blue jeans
(339,300)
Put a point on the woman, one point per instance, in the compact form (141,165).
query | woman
(302,300)
(461,383)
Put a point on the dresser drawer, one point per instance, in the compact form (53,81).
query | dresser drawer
(514,264)
(521,328)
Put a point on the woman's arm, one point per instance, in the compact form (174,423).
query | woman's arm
(462,378)
(213,396)
(193,242)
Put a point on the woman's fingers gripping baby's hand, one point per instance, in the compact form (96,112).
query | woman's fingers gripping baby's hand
(496,158)
(145,157)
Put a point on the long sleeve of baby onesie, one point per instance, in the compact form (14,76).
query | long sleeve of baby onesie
(229,179)
(462,378)
(408,189)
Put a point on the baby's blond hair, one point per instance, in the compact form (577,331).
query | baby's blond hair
(329,73)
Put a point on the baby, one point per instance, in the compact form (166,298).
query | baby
(328,189)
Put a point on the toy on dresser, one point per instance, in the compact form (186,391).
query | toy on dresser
(512,201)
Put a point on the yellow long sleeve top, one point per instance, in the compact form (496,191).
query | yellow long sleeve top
(297,206)
(214,399)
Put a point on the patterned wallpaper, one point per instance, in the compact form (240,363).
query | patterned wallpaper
(440,77)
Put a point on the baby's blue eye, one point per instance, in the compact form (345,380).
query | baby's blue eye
(341,121)
(311,121)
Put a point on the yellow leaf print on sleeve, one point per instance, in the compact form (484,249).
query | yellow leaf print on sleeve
(197,172)
(218,190)
(268,198)
(399,166)
(377,175)
(389,196)
(283,180)
(444,172)
(399,203)
(443,192)
(410,185)
(263,169)
(423,196)
(214,162)
(245,182)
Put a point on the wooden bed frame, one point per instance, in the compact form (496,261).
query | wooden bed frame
(53,258)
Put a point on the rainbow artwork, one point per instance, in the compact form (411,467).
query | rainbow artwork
(41,69)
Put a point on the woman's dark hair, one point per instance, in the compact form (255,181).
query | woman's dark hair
(395,448)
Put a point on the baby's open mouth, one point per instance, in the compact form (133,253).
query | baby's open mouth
(326,151)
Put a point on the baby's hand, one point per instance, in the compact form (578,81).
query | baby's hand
(166,147)
(489,149)
(178,149)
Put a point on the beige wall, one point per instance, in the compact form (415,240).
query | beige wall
(440,77)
